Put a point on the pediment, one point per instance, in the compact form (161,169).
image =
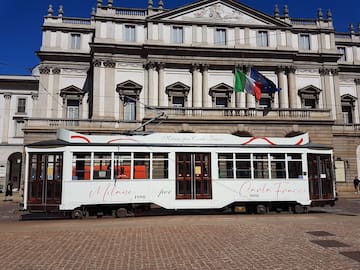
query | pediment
(310,89)
(71,90)
(129,85)
(218,12)
(222,87)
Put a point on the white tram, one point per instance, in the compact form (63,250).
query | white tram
(91,174)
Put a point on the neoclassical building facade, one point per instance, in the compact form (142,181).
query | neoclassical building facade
(174,71)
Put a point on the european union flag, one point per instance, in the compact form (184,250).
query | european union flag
(264,83)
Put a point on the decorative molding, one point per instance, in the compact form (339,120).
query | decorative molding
(97,63)
(160,65)
(34,95)
(44,70)
(357,81)
(56,71)
(109,64)
(7,96)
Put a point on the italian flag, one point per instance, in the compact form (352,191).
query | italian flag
(244,83)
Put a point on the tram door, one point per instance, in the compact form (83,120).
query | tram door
(45,181)
(193,176)
(321,184)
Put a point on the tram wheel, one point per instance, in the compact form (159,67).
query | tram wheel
(77,214)
(299,209)
(261,209)
(121,212)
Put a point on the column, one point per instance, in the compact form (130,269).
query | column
(329,103)
(337,99)
(162,97)
(98,89)
(247,37)
(237,36)
(292,87)
(6,116)
(204,34)
(110,93)
(196,86)
(205,86)
(44,94)
(283,94)
(57,100)
(151,79)
(357,115)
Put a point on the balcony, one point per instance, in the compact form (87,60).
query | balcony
(243,114)
(51,124)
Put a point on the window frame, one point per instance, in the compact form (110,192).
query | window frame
(75,41)
(220,36)
(177,34)
(262,38)
(21,108)
(304,42)
(130,32)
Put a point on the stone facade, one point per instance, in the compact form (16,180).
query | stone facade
(122,67)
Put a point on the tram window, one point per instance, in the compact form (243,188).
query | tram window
(141,168)
(122,165)
(261,165)
(226,165)
(160,165)
(102,166)
(81,166)
(243,165)
(294,165)
(278,169)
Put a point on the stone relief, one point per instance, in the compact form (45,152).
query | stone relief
(220,13)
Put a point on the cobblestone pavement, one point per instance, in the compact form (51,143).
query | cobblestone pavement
(274,241)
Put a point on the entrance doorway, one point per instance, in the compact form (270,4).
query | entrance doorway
(193,176)
(14,173)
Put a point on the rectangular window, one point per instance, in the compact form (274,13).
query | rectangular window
(221,102)
(129,109)
(265,102)
(347,114)
(102,166)
(243,165)
(75,41)
(160,166)
(226,165)
(21,105)
(294,165)
(129,33)
(81,166)
(342,51)
(278,168)
(122,165)
(220,37)
(177,34)
(19,128)
(141,166)
(304,42)
(310,103)
(262,39)
(178,101)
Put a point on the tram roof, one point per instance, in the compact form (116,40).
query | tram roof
(70,138)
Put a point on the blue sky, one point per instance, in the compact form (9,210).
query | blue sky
(20,21)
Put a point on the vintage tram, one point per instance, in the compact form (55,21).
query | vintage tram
(82,175)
